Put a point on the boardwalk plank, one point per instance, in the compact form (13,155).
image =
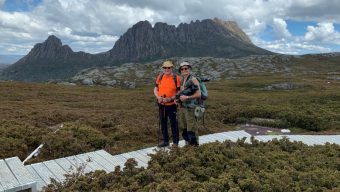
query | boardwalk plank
(299,138)
(44,172)
(89,160)
(203,139)
(221,135)
(334,139)
(20,172)
(80,163)
(144,154)
(66,165)
(56,169)
(319,138)
(40,182)
(217,137)
(231,136)
(147,151)
(7,179)
(117,160)
(143,158)
(102,161)
(311,140)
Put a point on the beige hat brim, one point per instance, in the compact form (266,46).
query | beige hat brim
(168,64)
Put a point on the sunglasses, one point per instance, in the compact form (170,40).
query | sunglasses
(166,67)
(184,69)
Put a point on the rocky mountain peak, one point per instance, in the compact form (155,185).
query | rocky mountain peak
(50,48)
(53,41)
(209,37)
(142,24)
(234,28)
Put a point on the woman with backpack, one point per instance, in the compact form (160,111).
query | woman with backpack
(190,94)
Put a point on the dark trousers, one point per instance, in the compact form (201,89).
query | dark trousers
(166,112)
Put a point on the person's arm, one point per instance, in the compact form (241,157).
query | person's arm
(155,92)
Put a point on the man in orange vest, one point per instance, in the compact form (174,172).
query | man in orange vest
(167,86)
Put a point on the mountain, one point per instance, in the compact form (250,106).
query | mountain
(215,38)
(3,66)
(51,60)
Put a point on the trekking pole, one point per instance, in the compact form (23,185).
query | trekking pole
(159,122)
(161,115)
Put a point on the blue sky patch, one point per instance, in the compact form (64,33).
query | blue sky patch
(20,5)
(299,28)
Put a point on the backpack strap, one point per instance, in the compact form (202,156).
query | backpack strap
(175,80)
(159,79)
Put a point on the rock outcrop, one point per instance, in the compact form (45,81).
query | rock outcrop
(136,74)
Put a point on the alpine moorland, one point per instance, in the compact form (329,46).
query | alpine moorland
(118,120)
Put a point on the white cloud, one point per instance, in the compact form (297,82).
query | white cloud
(292,47)
(255,28)
(280,28)
(323,32)
(96,25)
(14,48)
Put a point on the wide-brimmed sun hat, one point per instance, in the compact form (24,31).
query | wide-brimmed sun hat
(167,64)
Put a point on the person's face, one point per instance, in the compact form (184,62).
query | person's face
(167,70)
(185,70)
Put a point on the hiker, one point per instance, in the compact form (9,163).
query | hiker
(190,88)
(167,86)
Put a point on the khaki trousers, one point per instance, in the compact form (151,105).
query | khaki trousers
(187,120)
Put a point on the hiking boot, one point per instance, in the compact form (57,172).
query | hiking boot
(163,145)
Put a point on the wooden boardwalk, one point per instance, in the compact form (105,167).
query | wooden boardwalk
(14,176)
(42,172)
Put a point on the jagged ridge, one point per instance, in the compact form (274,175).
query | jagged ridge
(208,37)
(51,60)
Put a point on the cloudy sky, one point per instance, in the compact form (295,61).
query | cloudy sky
(283,26)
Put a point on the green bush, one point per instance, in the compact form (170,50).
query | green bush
(73,139)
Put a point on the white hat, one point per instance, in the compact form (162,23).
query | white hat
(182,65)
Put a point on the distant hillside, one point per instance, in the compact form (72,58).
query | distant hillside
(51,60)
(3,66)
(136,74)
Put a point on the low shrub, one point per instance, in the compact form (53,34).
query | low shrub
(273,166)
